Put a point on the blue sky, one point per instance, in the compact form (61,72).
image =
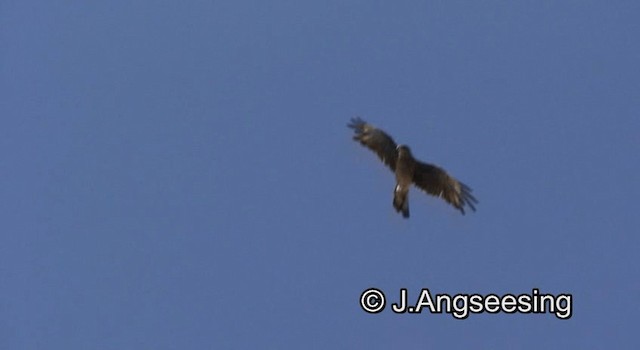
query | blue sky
(180,175)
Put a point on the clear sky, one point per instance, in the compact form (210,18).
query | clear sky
(179,175)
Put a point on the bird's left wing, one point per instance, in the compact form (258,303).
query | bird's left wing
(376,140)
(435,181)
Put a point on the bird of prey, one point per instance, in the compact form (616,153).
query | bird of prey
(408,170)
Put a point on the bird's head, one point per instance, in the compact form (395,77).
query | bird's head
(403,151)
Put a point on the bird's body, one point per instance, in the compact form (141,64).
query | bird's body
(405,167)
(408,171)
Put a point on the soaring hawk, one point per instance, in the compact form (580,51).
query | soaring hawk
(429,178)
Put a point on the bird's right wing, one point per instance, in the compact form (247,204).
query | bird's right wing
(376,140)
(435,181)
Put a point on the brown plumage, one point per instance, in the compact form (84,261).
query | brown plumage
(408,170)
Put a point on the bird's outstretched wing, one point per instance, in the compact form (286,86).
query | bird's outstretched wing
(376,140)
(435,181)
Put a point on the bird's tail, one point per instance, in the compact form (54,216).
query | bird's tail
(401,202)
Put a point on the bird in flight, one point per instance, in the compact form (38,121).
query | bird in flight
(408,170)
